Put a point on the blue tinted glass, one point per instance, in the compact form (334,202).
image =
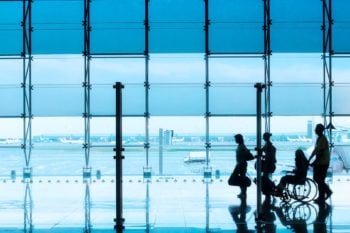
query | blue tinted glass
(11,100)
(103,100)
(10,28)
(341,93)
(124,70)
(295,99)
(232,99)
(341,26)
(177,100)
(49,100)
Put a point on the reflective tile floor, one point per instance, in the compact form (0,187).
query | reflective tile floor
(164,204)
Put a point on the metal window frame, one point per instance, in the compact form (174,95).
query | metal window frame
(26,85)
(327,57)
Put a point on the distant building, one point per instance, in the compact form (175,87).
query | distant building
(309,129)
(168,137)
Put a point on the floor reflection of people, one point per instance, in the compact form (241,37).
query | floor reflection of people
(269,217)
(320,223)
(28,207)
(238,214)
(288,219)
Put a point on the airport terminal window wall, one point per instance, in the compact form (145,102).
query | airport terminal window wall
(198,99)
(177,105)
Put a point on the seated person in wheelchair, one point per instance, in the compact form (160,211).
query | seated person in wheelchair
(299,173)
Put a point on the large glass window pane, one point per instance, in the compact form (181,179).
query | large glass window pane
(176,38)
(341,93)
(236,70)
(11,71)
(57,27)
(179,68)
(180,136)
(102,130)
(58,146)
(177,100)
(235,26)
(341,26)
(296,99)
(11,128)
(117,26)
(11,159)
(10,27)
(296,68)
(229,126)
(11,100)
(231,99)
(103,99)
(172,31)
(341,133)
(49,100)
(341,70)
(296,26)
(340,157)
(124,70)
(58,69)
(103,142)
(52,76)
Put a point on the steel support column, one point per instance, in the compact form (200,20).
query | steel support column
(207,172)
(266,57)
(87,88)
(147,86)
(27,85)
(119,220)
(259,88)
(327,85)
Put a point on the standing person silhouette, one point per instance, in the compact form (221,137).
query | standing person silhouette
(321,164)
(239,174)
(268,166)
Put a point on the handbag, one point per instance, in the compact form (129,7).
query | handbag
(237,180)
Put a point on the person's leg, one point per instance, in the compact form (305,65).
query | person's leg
(243,193)
(288,179)
(327,191)
(319,177)
(268,186)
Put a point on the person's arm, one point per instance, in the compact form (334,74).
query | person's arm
(313,153)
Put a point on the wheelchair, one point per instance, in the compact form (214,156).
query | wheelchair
(303,191)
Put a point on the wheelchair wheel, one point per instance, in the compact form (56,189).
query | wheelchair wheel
(305,212)
(301,191)
(287,211)
(313,190)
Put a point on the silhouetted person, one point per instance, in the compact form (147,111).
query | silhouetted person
(268,165)
(238,214)
(320,225)
(239,174)
(299,173)
(321,164)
